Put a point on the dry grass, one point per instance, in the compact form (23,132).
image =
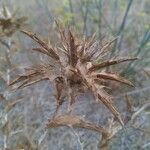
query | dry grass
(79,66)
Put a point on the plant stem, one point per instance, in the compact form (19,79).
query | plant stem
(8,43)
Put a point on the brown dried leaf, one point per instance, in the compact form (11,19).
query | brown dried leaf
(60,90)
(71,97)
(100,81)
(75,121)
(112,76)
(96,67)
(41,50)
(33,75)
(50,51)
(72,50)
(19,79)
(31,81)
(109,104)
(104,97)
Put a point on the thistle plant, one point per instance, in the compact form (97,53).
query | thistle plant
(9,24)
(78,66)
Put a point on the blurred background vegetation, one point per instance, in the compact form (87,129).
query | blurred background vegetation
(23,114)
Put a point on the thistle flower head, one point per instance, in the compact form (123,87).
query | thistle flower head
(80,65)
(9,24)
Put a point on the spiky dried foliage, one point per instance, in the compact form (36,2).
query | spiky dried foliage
(75,121)
(80,65)
(78,122)
(9,23)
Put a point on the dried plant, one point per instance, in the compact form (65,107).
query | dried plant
(78,66)
(75,121)
(9,23)
(78,122)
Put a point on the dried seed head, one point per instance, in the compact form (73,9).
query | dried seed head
(82,66)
